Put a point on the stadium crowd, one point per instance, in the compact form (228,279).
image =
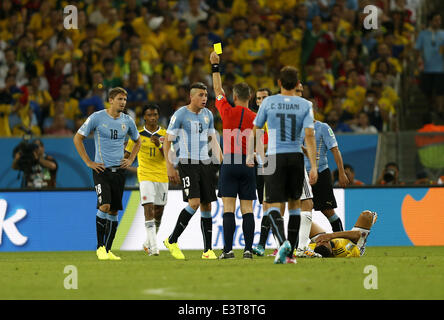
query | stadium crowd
(52,78)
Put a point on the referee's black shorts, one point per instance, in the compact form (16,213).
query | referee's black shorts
(237,179)
(198,181)
(287,180)
(323,196)
(109,186)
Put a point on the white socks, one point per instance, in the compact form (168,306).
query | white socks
(304,229)
(151,239)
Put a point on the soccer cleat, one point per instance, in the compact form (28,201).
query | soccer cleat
(307,253)
(112,256)
(282,253)
(273,254)
(227,255)
(259,251)
(101,253)
(209,255)
(146,249)
(174,249)
(375,217)
(154,252)
(290,260)
(248,255)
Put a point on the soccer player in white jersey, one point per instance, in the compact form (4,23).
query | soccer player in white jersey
(110,127)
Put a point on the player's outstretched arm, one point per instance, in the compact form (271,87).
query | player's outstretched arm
(343,180)
(80,147)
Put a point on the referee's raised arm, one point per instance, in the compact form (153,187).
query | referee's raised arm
(217,81)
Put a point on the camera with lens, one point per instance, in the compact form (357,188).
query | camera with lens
(27,159)
(389,175)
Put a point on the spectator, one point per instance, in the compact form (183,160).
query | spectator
(390,175)
(320,88)
(362,124)
(430,47)
(350,172)
(259,78)
(317,43)
(336,125)
(376,116)
(58,125)
(39,169)
(137,95)
(11,66)
(253,48)
(194,14)
(385,54)
(287,43)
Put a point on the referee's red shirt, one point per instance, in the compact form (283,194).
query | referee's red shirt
(235,121)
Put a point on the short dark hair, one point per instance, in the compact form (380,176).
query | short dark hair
(151,106)
(433,15)
(349,167)
(264,89)
(392,164)
(324,251)
(288,77)
(242,91)
(198,85)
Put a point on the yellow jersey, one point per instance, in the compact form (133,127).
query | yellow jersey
(342,248)
(152,164)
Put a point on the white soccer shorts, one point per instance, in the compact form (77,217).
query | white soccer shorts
(306,188)
(153,192)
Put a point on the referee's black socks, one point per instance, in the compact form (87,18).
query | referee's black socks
(277,224)
(229,225)
(248,229)
(184,217)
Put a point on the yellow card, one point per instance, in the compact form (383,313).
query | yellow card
(218,48)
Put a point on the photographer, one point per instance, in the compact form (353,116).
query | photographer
(390,175)
(39,170)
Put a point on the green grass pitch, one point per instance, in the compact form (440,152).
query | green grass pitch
(401,273)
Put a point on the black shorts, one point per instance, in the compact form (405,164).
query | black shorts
(432,84)
(198,181)
(237,179)
(323,196)
(287,180)
(109,186)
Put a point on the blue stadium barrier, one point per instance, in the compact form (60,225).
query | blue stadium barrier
(357,150)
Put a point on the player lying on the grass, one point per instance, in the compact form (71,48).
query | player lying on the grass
(343,243)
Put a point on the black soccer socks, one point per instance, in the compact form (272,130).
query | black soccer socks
(277,225)
(229,224)
(248,229)
(182,222)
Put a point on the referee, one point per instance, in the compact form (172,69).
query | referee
(235,178)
